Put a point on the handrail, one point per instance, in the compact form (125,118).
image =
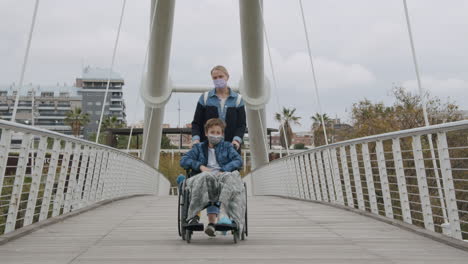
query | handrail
(47,174)
(49,133)
(457,125)
(391,175)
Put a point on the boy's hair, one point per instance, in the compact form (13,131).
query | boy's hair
(215,122)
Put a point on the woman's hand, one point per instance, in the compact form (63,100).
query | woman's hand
(203,168)
(236,144)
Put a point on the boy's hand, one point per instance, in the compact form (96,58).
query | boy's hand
(203,168)
(236,144)
(195,142)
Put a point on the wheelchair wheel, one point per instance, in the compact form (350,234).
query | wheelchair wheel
(245,230)
(179,208)
(188,236)
(183,210)
(235,236)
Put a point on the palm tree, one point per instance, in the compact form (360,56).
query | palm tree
(76,119)
(285,118)
(317,128)
(318,119)
(111,122)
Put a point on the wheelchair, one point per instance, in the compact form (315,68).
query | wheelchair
(186,230)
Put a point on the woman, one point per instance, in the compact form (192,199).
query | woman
(221,102)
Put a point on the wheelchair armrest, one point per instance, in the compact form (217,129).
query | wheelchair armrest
(191,172)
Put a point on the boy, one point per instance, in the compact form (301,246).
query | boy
(215,159)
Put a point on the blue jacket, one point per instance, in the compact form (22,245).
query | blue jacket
(226,156)
(232,114)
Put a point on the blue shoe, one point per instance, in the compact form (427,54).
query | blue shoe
(180,179)
(225,220)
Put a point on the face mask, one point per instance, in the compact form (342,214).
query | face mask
(220,83)
(215,139)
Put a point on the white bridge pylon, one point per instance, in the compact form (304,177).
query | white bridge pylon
(157,88)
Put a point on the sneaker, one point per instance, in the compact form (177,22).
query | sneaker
(210,230)
(194,220)
(224,220)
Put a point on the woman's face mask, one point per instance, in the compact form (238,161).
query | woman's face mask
(215,140)
(220,83)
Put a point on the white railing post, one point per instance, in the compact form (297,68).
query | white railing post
(18,183)
(401,180)
(58,200)
(5,142)
(103,176)
(308,172)
(357,177)
(89,177)
(108,176)
(96,176)
(323,182)
(47,197)
(315,176)
(305,184)
(72,181)
(369,179)
(449,188)
(35,180)
(78,193)
(328,173)
(297,187)
(336,176)
(344,167)
(285,176)
(422,184)
(384,179)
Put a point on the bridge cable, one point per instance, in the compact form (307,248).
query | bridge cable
(314,76)
(143,70)
(145,142)
(273,74)
(264,138)
(110,70)
(424,103)
(317,94)
(25,63)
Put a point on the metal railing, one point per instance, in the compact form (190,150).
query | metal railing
(51,174)
(395,175)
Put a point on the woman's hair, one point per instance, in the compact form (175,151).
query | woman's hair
(215,122)
(220,68)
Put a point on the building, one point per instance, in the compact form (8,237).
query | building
(92,86)
(42,106)
(176,138)
(336,130)
(305,138)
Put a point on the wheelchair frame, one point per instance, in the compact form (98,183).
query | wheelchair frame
(183,205)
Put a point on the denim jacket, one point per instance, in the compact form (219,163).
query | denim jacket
(226,156)
(232,114)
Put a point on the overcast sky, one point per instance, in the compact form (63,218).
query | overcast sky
(360,47)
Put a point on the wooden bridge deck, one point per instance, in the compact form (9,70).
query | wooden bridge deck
(143,230)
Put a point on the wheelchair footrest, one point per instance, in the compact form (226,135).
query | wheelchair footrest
(194,227)
(225,227)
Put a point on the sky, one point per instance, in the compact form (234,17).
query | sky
(360,49)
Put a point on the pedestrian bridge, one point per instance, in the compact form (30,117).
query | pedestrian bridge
(400,197)
(379,199)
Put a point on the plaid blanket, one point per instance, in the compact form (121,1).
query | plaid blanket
(226,188)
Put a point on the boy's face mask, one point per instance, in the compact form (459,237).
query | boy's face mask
(214,140)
